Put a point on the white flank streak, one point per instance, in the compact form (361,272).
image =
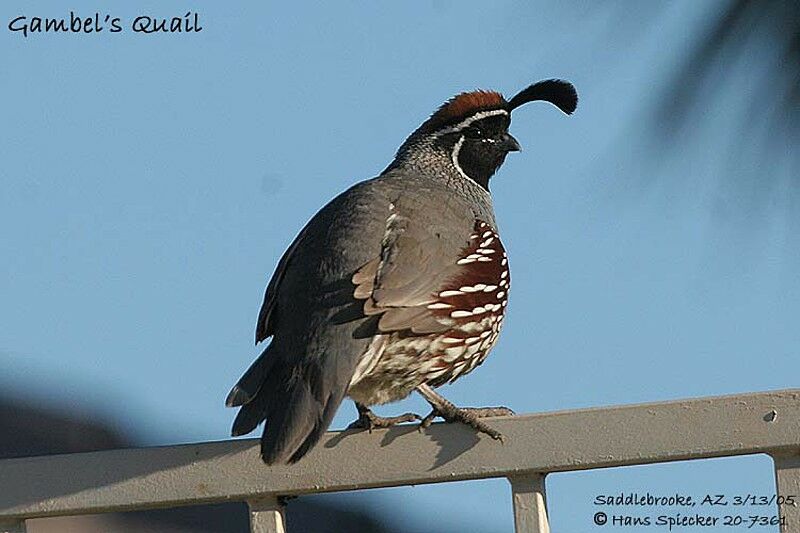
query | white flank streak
(460,314)
(465,261)
(452,340)
(487,242)
(369,359)
(452,353)
(490,288)
(475,288)
(445,294)
(486,234)
(439,305)
(484,259)
(500,295)
(504,262)
(504,275)
(478,310)
(485,251)
(471,340)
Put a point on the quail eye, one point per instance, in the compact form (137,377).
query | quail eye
(474,132)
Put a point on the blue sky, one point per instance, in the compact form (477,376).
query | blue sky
(150,183)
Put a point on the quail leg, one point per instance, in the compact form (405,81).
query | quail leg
(466,415)
(369,420)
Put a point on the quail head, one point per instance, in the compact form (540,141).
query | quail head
(398,284)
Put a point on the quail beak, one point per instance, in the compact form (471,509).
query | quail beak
(510,143)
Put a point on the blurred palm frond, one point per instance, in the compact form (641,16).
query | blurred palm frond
(760,38)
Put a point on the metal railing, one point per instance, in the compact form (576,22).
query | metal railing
(535,445)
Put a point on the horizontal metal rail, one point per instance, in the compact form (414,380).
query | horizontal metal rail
(191,474)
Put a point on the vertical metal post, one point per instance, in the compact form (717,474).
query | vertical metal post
(530,505)
(267,516)
(787,481)
(13,527)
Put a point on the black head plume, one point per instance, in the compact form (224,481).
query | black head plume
(560,93)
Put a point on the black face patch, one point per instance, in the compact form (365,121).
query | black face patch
(483,149)
(477,148)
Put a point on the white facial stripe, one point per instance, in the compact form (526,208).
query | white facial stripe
(477,116)
(456,149)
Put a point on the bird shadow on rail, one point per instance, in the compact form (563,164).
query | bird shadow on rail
(449,448)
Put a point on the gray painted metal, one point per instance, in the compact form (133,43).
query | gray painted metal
(787,480)
(16,526)
(119,480)
(530,505)
(267,516)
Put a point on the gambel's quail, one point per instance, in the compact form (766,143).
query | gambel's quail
(398,284)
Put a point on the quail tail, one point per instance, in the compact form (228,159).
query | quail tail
(250,383)
(287,400)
